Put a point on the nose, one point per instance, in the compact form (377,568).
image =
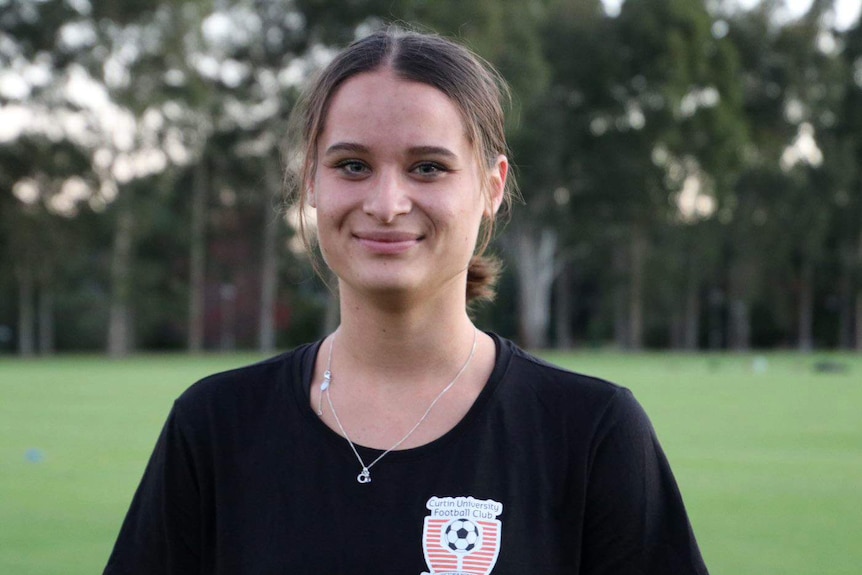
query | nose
(387,197)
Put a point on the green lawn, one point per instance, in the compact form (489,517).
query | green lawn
(767,451)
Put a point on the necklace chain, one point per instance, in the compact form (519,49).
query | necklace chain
(365,474)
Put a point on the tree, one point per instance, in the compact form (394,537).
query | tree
(779,215)
(45,139)
(672,120)
(848,193)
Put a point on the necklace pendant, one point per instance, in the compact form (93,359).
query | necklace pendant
(364,476)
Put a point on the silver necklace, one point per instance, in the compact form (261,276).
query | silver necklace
(365,474)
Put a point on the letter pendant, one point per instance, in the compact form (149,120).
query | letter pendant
(364,476)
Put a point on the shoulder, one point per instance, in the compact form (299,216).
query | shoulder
(244,391)
(558,388)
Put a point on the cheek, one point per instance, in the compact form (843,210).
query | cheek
(326,224)
(327,231)
(331,205)
(473,213)
(467,222)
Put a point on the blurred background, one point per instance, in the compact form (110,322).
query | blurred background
(690,171)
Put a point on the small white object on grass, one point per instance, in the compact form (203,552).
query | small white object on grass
(760,364)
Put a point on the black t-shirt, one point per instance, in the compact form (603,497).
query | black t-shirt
(550,472)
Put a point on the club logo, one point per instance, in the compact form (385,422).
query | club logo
(461,535)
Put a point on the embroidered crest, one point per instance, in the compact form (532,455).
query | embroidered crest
(461,535)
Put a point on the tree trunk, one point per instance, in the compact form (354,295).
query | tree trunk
(676,328)
(564,311)
(740,326)
(46,318)
(806,306)
(859,320)
(197,259)
(691,323)
(269,264)
(535,268)
(845,316)
(845,300)
(858,314)
(715,325)
(26,313)
(739,314)
(621,326)
(635,303)
(119,319)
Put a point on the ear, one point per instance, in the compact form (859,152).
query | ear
(310,197)
(497,180)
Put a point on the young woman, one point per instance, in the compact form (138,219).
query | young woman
(407,441)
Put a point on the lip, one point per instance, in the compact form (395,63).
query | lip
(387,242)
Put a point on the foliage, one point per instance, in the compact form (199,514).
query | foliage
(693,166)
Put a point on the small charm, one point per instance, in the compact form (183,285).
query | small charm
(327,378)
(364,476)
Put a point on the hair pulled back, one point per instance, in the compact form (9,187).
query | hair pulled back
(473,85)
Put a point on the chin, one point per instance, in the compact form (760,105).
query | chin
(391,287)
(392,283)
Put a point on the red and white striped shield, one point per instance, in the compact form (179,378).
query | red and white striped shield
(461,545)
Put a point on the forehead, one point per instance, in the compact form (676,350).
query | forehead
(381,107)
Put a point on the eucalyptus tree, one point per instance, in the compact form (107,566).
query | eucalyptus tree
(779,214)
(673,122)
(99,96)
(48,128)
(814,104)
(38,228)
(146,137)
(564,216)
(847,132)
(745,213)
(515,44)
(264,50)
(214,80)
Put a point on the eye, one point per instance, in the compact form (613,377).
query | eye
(352,168)
(429,169)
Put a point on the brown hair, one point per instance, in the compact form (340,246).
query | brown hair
(475,87)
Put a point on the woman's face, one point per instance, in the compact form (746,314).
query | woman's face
(398,190)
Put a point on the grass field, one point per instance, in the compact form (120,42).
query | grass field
(767,451)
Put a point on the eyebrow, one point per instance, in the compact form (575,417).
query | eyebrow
(414,151)
(345,147)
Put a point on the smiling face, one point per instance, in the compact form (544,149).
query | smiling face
(398,190)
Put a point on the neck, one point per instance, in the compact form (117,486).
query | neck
(395,343)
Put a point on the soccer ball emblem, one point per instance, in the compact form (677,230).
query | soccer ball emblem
(461,536)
